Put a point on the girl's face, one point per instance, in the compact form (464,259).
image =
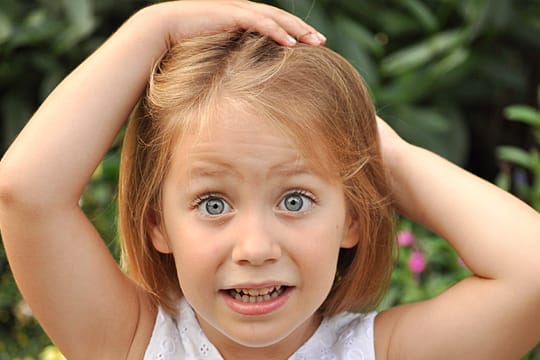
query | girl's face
(254,231)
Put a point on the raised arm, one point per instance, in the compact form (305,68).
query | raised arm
(494,314)
(66,274)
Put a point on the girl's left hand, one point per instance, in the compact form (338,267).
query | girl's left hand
(187,18)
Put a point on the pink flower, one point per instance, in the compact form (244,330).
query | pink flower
(417,262)
(405,238)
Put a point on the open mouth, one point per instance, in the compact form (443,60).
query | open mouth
(257,295)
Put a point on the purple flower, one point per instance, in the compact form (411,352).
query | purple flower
(405,238)
(461,263)
(417,262)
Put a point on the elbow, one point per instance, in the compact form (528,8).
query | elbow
(15,194)
(30,195)
(7,199)
(6,189)
(8,192)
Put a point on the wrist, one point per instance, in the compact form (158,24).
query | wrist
(399,159)
(147,28)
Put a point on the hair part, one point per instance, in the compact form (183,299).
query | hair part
(310,93)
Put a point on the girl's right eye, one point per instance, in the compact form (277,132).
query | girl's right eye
(212,205)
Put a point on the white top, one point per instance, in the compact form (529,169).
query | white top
(343,336)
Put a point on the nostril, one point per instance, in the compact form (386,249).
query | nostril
(256,252)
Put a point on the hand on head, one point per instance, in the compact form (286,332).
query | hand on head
(206,16)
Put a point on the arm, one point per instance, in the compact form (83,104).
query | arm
(63,269)
(494,314)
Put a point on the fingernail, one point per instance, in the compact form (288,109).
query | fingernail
(291,40)
(312,38)
(321,37)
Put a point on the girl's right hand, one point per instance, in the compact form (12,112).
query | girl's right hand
(51,245)
(183,19)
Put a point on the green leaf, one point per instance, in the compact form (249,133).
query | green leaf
(537,136)
(79,12)
(415,56)
(523,113)
(503,181)
(515,155)
(355,31)
(15,110)
(422,13)
(441,130)
(6,27)
(395,22)
(308,11)
(37,27)
(450,62)
(407,89)
(356,55)
(81,23)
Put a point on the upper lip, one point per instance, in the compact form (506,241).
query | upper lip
(257,285)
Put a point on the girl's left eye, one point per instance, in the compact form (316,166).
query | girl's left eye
(297,201)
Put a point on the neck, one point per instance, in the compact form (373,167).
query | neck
(229,349)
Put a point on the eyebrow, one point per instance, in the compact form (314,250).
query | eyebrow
(213,169)
(291,169)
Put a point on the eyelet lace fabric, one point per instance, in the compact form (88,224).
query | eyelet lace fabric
(343,336)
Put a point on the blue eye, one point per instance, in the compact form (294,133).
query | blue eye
(297,201)
(212,205)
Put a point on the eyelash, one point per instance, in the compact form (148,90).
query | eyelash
(204,197)
(299,192)
(200,199)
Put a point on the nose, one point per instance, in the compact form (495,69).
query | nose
(256,244)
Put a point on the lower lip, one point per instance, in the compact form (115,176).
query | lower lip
(257,309)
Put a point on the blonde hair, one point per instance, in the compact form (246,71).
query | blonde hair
(313,94)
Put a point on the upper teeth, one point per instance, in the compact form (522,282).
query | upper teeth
(258,292)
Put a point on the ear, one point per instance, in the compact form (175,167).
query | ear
(351,235)
(158,235)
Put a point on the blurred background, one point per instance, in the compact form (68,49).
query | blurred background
(458,77)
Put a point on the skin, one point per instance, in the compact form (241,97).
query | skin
(493,314)
(251,168)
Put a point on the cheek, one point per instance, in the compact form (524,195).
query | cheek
(196,263)
(319,262)
(193,250)
(320,246)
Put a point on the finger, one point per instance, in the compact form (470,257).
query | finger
(295,26)
(268,27)
(289,23)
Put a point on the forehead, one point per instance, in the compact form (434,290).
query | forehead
(234,129)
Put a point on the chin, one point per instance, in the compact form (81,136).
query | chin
(257,342)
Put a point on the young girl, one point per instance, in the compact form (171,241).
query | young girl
(255,211)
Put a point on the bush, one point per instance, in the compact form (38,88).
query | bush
(431,67)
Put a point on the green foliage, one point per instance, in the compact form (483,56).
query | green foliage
(516,160)
(437,70)
(19,332)
(443,268)
(40,43)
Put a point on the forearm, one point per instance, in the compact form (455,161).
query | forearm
(52,247)
(497,235)
(59,149)
(56,153)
